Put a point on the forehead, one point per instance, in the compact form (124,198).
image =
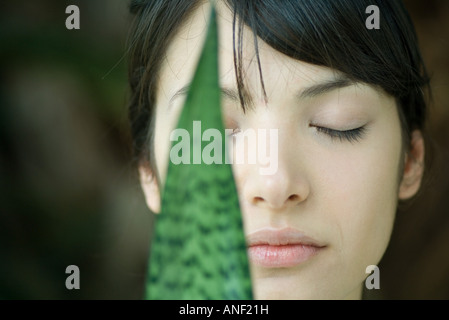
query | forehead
(185,48)
(283,77)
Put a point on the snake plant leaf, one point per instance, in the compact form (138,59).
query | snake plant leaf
(198,249)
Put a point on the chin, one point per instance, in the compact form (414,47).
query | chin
(273,289)
(282,295)
(279,291)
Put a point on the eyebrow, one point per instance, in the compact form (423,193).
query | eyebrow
(312,91)
(228,93)
(327,86)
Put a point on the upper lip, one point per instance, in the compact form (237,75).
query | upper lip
(279,237)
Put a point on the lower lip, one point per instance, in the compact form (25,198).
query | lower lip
(282,256)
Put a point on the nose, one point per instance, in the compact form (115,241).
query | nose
(284,189)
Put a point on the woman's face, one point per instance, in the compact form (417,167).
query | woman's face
(340,190)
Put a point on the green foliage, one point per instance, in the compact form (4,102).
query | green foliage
(198,248)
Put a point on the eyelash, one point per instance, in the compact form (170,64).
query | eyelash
(353,135)
(234,132)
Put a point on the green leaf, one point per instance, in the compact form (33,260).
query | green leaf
(198,247)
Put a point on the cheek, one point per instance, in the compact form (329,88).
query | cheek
(164,124)
(361,201)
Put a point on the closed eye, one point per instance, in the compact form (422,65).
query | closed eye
(353,135)
(235,131)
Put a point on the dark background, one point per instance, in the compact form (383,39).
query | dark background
(69,194)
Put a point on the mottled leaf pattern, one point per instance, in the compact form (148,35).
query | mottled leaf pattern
(198,248)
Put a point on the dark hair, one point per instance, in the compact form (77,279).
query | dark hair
(322,32)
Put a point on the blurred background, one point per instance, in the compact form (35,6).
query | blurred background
(69,194)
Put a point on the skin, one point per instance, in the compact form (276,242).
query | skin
(342,193)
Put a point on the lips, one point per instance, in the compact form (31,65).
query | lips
(281,248)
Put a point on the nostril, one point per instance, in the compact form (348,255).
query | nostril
(258,200)
(293,197)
